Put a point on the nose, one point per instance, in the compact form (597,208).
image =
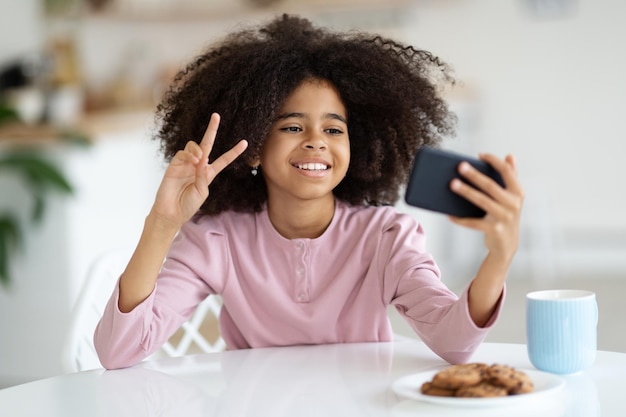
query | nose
(315,142)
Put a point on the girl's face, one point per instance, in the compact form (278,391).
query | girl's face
(307,152)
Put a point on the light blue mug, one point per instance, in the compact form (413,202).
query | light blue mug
(561,330)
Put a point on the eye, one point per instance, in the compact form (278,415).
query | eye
(292,129)
(334,131)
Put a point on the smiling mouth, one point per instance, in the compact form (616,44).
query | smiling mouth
(312,167)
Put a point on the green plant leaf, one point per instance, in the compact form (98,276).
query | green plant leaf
(10,239)
(5,278)
(41,178)
(37,171)
(39,208)
(7,114)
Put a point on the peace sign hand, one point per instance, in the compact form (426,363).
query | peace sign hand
(185,185)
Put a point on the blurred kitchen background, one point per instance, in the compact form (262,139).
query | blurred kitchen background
(79,82)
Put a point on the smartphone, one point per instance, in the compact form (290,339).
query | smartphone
(429,183)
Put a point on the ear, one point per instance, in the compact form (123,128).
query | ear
(255,162)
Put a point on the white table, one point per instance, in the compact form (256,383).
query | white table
(327,380)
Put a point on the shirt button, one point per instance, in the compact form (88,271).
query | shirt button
(301,296)
(300,245)
(300,272)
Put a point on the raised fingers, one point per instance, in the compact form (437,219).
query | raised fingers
(225,159)
(206,144)
(192,151)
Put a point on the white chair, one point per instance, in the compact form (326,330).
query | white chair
(198,334)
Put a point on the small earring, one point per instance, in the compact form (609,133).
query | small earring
(254,171)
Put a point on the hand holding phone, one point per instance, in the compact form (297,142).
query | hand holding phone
(429,183)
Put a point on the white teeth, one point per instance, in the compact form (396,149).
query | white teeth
(313,166)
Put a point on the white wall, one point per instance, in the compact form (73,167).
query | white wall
(20,28)
(551,91)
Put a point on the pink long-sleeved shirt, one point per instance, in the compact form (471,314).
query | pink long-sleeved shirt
(277,291)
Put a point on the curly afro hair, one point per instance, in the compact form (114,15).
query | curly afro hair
(391,93)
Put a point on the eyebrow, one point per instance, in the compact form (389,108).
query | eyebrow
(334,116)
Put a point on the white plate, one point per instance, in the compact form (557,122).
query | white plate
(545,385)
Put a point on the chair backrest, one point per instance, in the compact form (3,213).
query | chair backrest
(198,334)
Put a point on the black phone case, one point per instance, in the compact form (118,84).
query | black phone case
(429,184)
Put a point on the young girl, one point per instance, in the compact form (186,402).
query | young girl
(298,233)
